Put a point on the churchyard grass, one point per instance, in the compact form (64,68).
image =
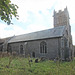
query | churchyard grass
(21,66)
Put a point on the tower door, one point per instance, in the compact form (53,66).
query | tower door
(33,54)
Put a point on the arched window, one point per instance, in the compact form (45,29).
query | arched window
(43,47)
(21,49)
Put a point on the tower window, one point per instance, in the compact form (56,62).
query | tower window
(43,47)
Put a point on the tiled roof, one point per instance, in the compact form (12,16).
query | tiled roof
(49,33)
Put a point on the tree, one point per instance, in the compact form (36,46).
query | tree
(7,10)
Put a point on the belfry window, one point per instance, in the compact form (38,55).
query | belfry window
(21,49)
(43,47)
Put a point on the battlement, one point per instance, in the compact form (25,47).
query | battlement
(60,11)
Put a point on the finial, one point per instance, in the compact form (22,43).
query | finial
(54,11)
(65,8)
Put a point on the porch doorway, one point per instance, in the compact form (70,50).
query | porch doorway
(33,54)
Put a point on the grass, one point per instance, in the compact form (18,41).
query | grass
(21,66)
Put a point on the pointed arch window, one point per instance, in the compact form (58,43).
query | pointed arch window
(21,49)
(43,47)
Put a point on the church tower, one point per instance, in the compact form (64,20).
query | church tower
(61,18)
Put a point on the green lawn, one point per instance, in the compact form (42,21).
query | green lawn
(21,66)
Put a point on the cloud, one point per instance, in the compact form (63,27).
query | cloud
(6,31)
(36,5)
(42,5)
(33,28)
(33,6)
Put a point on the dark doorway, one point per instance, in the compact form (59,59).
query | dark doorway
(21,49)
(33,54)
(66,53)
(1,48)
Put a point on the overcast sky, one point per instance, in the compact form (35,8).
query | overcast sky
(36,15)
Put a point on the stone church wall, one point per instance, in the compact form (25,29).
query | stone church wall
(31,47)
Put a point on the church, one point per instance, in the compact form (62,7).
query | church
(50,43)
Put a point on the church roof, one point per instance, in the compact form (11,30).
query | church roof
(49,33)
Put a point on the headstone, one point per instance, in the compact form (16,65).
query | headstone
(36,60)
(30,61)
